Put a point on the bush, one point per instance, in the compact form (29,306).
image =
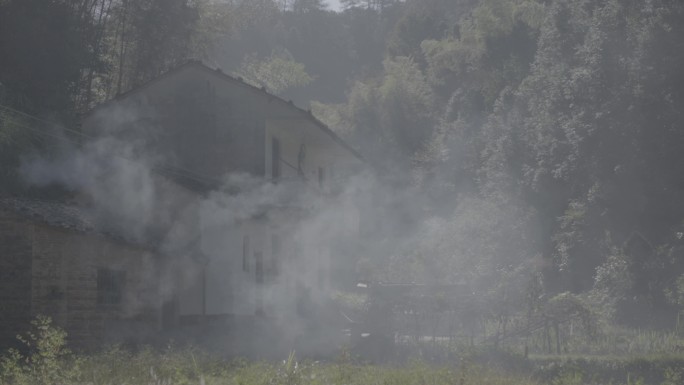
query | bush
(47,360)
(601,370)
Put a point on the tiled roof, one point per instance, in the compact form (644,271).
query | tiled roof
(239,81)
(57,214)
(67,216)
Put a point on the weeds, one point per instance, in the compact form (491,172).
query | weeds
(47,361)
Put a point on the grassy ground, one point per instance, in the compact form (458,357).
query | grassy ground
(192,367)
(47,361)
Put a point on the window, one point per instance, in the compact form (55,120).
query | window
(245,253)
(275,158)
(275,254)
(301,157)
(321,270)
(259,267)
(110,285)
(321,177)
(259,277)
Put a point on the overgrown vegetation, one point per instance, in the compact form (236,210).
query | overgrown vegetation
(45,360)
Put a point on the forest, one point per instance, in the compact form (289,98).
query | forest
(530,150)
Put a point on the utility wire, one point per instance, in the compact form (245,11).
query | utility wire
(33,117)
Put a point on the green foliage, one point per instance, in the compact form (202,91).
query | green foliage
(655,370)
(675,294)
(171,365)
(48,360)
(44,46)
(613,284)
(150,37)
(480,241)
(390,119)
(422,20)
(278,72)
(50,363)
(67,55)
(406,103)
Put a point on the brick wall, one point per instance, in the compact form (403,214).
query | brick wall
(53,271)
(15,278)
(65,286)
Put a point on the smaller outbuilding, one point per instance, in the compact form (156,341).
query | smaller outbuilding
(94,284)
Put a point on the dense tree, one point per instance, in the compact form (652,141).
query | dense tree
(44,46)
(278,72)
(391,117)
(567,110)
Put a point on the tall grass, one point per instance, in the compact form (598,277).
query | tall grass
(46,361)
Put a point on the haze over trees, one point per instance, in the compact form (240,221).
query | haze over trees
(535,144)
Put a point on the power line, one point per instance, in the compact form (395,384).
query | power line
(77,132)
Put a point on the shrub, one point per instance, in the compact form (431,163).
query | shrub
(47,360)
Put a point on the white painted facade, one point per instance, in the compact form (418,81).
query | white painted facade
(215,125)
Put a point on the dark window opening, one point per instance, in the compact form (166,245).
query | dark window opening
(259,267)
(275,158)
(245,253)
(110,284)
(301,157)
(321,270)
(321,177)
(275,254)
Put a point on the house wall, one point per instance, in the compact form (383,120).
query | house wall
(304,260)
(231,284)
(193,121)
(64,285)
(15,278)
(197,119)
(54,272)
(212,126)
(321,153)
(333,220)
(226,286)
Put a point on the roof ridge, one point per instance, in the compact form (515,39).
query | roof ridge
(66,216)
(308,114)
